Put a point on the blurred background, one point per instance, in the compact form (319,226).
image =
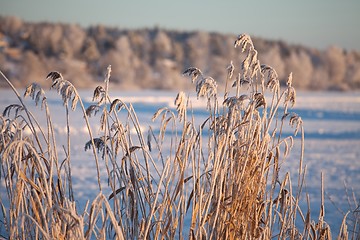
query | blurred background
(150,43)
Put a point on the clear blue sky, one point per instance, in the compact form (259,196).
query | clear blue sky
(313,23)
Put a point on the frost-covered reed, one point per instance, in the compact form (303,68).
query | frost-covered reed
(220,179)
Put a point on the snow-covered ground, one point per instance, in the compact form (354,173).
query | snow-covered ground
(332,143)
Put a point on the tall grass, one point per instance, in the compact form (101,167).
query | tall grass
(220,179)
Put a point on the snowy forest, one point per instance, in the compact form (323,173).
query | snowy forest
(155,58)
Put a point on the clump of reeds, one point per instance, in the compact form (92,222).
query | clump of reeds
(220,179)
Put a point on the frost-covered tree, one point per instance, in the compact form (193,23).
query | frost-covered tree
(352,77)
(162,45)
(299,63)
(272,57)
(11,25)
(90,51)
(197,50)
(336,66)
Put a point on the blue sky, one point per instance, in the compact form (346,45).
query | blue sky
(312,23)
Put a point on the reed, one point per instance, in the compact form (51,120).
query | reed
(220,179)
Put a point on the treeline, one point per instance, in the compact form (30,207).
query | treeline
(155,58)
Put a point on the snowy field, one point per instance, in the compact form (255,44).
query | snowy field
(332,143)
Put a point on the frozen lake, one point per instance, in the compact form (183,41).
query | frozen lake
(332,143)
